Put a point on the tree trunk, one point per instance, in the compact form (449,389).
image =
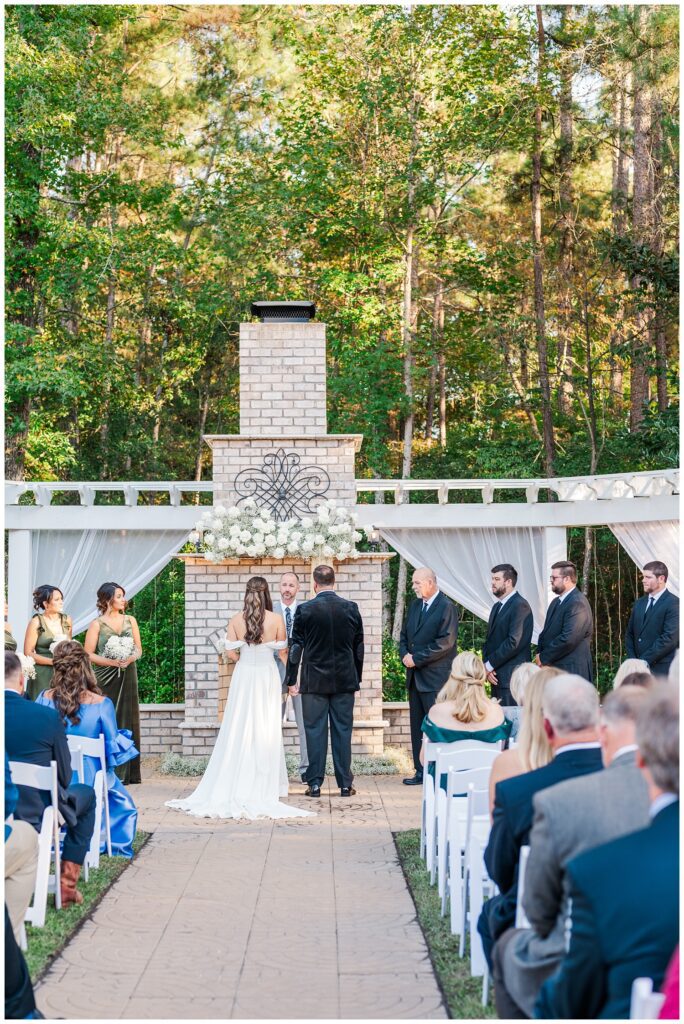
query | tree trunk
(437,346)
(658,244)
(539,313)
(379,498)
(641,224)
(400,602)
(620,196)
(567,220)
(203,411)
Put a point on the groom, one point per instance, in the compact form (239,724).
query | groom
(327,639)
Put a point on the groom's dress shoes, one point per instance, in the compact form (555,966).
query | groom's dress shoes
(347,791)
(313,791)
(416,780)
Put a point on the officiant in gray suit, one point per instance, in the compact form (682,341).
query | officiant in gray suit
(287,606)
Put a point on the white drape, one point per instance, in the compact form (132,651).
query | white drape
(463,558)
(79,561)
(650,542)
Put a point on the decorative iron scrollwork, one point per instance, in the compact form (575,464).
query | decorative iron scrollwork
(282,485)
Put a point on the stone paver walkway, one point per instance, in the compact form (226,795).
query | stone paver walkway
(302,918)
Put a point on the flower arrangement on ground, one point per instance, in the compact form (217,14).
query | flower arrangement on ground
(245,530)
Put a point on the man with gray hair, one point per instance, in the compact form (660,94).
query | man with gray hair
(623,922)
(570,706)
(568,819)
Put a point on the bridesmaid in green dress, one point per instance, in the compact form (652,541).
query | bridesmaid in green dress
(463,711)
(50,623)
(118,680)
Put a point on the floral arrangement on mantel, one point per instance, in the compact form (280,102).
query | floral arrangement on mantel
(245,530)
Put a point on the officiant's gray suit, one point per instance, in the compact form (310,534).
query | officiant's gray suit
(279,609)
(569,818)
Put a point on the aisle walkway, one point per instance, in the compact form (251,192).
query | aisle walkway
(291,919)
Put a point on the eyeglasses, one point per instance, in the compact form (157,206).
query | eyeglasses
(554,578)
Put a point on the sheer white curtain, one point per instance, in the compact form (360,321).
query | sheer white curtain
(462,560)
(79,561)
(650,542)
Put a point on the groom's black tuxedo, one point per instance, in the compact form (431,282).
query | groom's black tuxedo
(509,635)
(654,636)
(327,639)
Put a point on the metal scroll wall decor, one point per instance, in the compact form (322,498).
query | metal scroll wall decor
(282,485)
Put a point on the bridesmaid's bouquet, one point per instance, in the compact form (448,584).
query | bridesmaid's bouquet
(329,532)
(119,648)
(28,665)
(59,639)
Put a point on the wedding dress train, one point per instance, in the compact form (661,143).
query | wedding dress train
(246,773)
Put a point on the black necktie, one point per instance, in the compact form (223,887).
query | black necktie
(423,612)
(650,604)
(288,622)
(497,609)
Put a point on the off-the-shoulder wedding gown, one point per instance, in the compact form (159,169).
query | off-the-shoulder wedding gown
(246,774)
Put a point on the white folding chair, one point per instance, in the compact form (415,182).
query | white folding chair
(478,886)
(96,748)
(427,820)
(645,1004)
(77,766)
(520,915)
(44,779)
(464,758)
(478,823)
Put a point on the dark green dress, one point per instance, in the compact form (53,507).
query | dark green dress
(10,642)
(43,680)
(438,735)
(122,689)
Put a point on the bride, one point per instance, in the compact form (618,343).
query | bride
(246,773)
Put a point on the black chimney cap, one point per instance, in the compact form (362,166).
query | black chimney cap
(298,312)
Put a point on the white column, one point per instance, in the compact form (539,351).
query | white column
(555,550)
(19,590)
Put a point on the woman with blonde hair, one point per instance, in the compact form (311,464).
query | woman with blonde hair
(79,702)
(246,774)
(533,749)
(463,711)
(627,667)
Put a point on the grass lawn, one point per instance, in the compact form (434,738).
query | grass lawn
(462,993)
(45,943)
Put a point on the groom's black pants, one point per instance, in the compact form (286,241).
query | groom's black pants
(318,709)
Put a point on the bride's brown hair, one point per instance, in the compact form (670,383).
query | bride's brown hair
(71,676)
(257,603)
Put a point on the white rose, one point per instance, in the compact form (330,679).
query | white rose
(344,547)
(258,538)
(328,551)
(270,540)
(306,523)
(216,524)
(234,512)
(307,546)
(209,539)
(343,529)
(194,537)
(251,551)
(357,536)
(219,510)
(223,543)
(279,553)
(239,549)
(260,549)
(245,536)
(293,547)
(296,536)
(282,537)
(319,539)
(234,531)
(249,503)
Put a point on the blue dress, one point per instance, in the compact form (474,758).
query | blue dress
(438,735)
(119,748)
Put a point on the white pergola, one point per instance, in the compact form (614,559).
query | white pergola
(174,505)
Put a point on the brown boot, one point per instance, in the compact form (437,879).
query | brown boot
(67,883)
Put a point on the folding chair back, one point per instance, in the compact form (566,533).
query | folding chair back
(76,752)
(44,779)
(645,1004)
(92,747)
(520,915)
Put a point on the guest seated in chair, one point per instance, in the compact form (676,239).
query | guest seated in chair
(79,703)
(21,858)
(35,735)
(463,711)
(519,679)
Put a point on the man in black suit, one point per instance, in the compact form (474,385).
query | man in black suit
(509,633)
(570,707)
(35,734)
(327,638)
(565,640)
(653,627)
(624,895)
(427,647)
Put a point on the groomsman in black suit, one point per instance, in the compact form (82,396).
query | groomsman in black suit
(427,647)
(509,633)
(653,627)
(565,640)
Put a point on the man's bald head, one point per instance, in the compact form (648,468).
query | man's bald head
(424,583)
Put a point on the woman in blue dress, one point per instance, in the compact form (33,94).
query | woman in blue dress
(77,699)
(463,711)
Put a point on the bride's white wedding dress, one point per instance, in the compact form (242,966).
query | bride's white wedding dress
(246,773)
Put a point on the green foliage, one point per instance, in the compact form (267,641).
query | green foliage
(160,611)
(393,671)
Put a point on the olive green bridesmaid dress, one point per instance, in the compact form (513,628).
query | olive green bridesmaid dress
(10,642)
(43,679)
(121,686)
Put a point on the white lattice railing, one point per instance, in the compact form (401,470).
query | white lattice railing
(649,484)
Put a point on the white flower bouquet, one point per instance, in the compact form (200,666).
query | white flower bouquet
(119,648)
(28,665)
(59,639)
(244,530)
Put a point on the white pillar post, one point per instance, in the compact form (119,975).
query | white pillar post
(555,550)
(19,588)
